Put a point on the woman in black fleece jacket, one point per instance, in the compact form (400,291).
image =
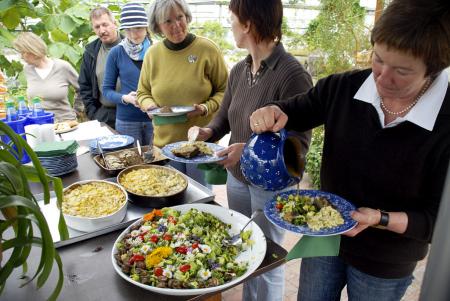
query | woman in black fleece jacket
(386,149)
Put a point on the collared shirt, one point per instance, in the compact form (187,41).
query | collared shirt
(423,114)
(269,62)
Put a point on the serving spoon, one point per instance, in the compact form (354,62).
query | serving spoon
(237,239)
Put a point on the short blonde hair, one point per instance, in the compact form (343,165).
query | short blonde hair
(30,43)
(160,9)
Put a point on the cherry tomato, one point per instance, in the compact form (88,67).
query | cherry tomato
(181,249)
(158,271)
(184,268)
(172,220)
(136,257)
(195,245)
(154,238)
(167,237)
(279,206)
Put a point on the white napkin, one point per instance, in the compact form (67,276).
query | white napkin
(33,134)
(47,132)
(87,130)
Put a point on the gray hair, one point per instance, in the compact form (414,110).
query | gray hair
(99,11)
(160,9)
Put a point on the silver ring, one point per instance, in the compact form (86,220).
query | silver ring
(256,124)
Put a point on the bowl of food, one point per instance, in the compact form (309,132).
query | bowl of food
(121,159)
(93,205)
(181,250)
(153,186)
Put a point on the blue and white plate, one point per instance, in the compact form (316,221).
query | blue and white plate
(167,151)
(176,111)
(63,172)
(111,142)
(341,205)
(59,165)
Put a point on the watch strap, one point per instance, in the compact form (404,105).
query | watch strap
(384,219)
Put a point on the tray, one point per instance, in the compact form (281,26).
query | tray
(159,159)
(195,193)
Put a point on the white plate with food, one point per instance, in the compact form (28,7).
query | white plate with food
(310,212)
(173,250)
(65,126)
(193,152)
(167,111)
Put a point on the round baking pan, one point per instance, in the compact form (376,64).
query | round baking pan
(154,201)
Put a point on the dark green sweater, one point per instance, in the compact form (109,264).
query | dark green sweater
(401,168)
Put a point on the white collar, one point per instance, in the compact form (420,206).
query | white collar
(423,114)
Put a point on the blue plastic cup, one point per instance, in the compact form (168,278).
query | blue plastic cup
(18,127)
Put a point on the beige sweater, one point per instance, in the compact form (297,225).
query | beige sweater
(54,89)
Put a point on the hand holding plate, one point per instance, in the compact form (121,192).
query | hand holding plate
(366,217)
(232,153)
(199,110)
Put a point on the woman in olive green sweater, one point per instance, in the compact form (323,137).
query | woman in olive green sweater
(182,70)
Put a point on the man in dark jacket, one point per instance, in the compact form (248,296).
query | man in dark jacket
(93,67)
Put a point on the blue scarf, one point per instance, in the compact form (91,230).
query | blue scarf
(135,51)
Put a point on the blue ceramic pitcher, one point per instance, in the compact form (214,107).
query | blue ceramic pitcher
(272,161)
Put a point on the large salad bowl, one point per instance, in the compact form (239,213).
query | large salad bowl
(253,255)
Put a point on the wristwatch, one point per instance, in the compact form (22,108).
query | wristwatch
(384,219)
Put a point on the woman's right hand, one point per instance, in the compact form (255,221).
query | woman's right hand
(203,133)
(266,119)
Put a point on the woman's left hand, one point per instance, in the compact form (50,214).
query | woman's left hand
(199,111)
(233,153)
(366,217)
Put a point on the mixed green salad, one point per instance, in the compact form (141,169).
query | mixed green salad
(315,212)
(170,249)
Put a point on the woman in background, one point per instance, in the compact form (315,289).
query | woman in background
(124,62)
(48,78)
(182,70)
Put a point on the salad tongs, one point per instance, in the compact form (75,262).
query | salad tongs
(237,239)
(100,150)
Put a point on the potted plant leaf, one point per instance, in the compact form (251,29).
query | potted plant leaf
(21,214)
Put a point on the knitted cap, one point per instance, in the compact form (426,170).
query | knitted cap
(133,15)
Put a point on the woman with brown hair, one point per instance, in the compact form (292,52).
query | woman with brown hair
(386,149)
(268,72)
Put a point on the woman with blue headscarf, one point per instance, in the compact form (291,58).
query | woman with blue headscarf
(122,73)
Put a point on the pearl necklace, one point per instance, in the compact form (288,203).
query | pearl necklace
(410,106)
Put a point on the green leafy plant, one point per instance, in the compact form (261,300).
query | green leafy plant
(314,156)
(20,211)
(63,25)
(336,36)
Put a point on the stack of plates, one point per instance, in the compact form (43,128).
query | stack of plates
(110,143)
(59,165)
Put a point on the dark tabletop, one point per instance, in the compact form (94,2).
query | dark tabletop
(87,267)
(89,274)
